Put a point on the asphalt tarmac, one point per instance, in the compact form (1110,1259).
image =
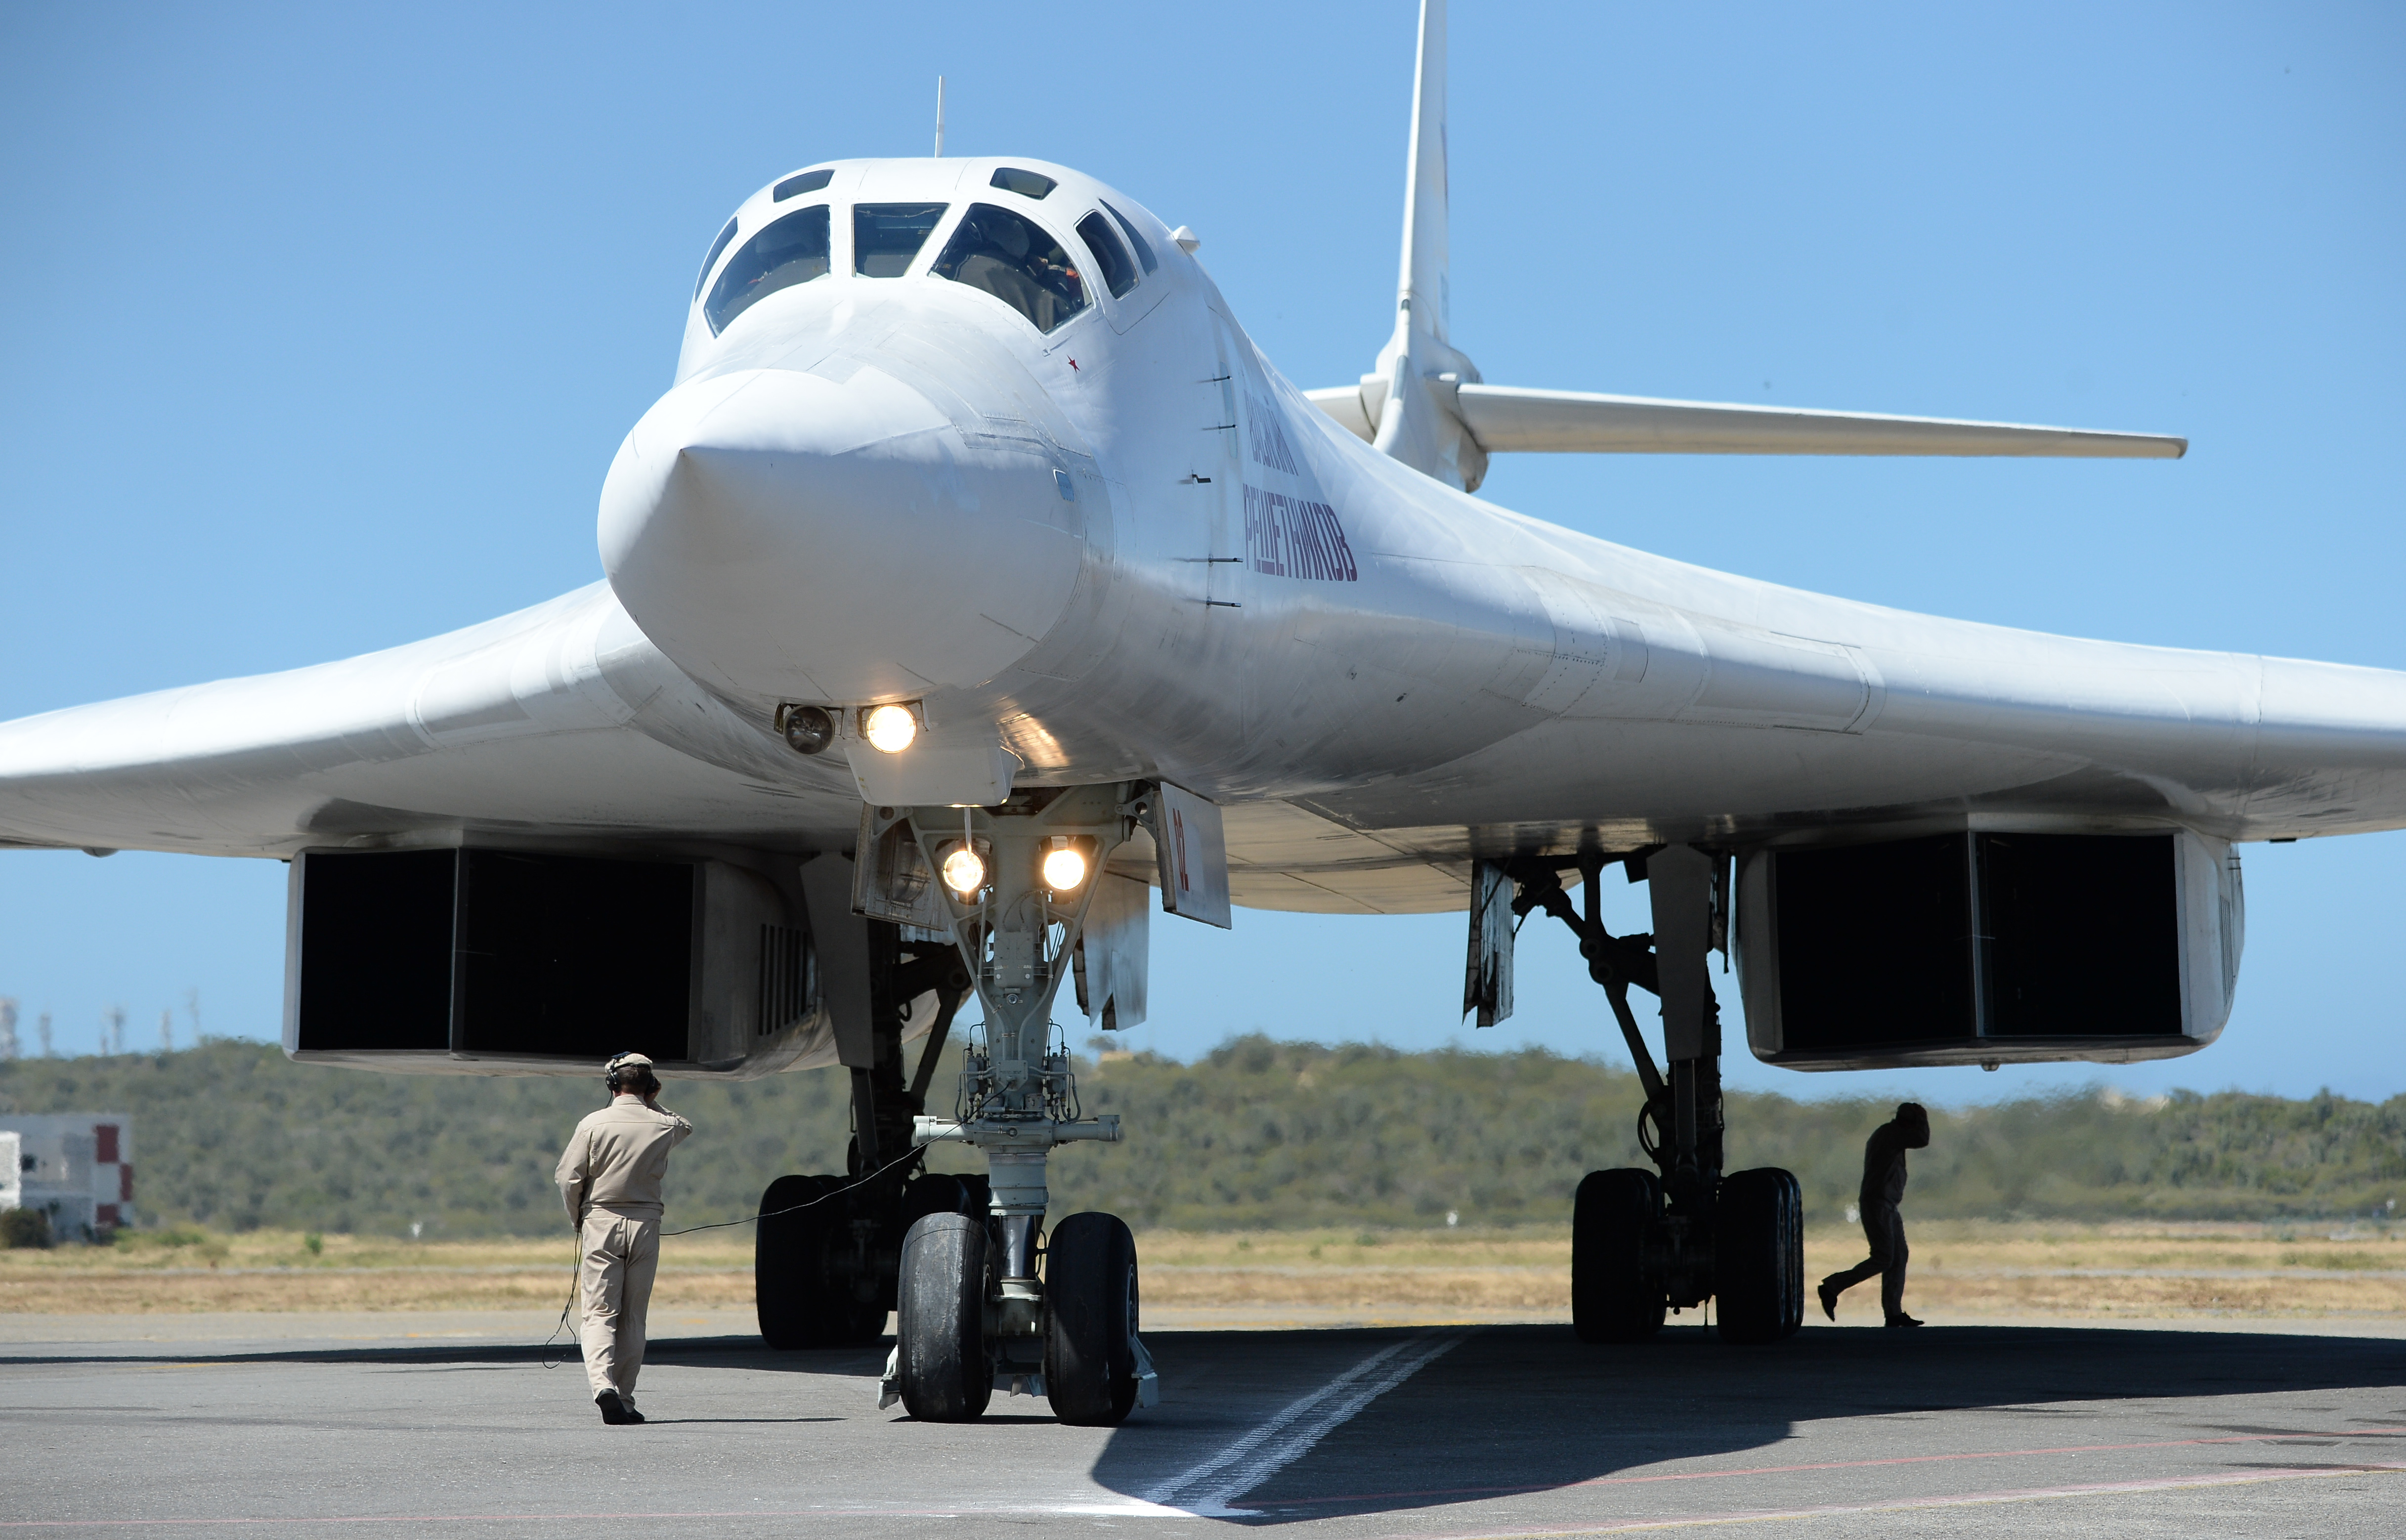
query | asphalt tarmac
(1496,1430)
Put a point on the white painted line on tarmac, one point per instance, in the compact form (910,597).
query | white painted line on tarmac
(1126,1507)
(1207,1489)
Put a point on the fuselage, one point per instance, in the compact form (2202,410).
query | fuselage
(1135,549)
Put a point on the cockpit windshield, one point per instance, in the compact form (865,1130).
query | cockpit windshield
(1143,250)
(886,236)
(1016,260)
(1119,271)
(792,251)
(712,260)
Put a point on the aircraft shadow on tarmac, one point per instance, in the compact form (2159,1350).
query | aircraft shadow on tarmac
(1529,1408)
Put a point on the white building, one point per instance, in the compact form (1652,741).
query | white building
(77,1165)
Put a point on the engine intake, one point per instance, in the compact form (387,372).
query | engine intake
(478,960)
(1988,948)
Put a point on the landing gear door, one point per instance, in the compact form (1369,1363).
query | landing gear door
(1114,952)
(1487,981)
(1194,854)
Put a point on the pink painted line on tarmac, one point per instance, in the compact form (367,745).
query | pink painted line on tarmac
(1914,1504)
(482,1517)
(1829,1465)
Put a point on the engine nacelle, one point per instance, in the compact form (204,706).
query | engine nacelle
(1988,947)
(480,960)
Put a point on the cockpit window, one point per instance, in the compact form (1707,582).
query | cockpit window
(1119,273)
(792,251)
(1016,260)
(712,260)
(886,236)
(1027,184)
(1144,251)
(800,183)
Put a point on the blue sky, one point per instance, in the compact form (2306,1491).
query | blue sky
(319,327)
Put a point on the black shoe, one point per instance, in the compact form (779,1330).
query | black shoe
(1829,1301)
(632,1415)
(1903,1321)
(614,1411)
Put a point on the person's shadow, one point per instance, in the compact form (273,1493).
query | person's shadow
(1529,1408)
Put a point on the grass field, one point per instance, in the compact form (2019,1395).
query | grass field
(1962,1269)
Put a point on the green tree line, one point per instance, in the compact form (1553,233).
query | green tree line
(1257,1133)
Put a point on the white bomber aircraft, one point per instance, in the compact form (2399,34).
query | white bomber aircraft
(978,571)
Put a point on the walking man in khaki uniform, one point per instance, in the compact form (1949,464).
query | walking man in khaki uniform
(609,1177)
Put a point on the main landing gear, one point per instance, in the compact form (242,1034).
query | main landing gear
(825,1261)
(1646,1242)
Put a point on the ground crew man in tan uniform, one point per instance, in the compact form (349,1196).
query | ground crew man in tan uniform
(609,1177)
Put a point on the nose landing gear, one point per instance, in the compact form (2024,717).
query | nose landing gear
(983,1303)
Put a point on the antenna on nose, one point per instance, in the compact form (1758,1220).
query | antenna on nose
(940,117)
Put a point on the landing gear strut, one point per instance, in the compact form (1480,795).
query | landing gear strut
(1644,1242)
(984,1303)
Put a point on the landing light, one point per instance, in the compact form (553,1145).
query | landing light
(1064,867)
(889,729)
(964,874)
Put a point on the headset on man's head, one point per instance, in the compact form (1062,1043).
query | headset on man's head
(633,1079)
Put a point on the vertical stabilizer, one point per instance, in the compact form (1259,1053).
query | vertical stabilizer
(1409,396)
(1423,286)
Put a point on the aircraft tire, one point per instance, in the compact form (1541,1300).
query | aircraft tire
(1612,1300)
(801,1296)
(1090,1320)
(1794,1203)
(1759,1256)
(784,1289)
(943,1192)
(944,1361)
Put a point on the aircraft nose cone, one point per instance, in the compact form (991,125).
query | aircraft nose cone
(783,536)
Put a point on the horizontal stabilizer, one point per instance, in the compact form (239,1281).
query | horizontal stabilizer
(1502,418)
(1344,403)
(1573,421)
